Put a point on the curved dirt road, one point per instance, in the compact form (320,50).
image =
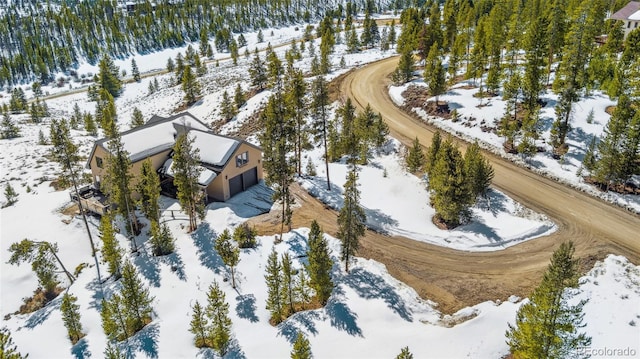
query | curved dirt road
(456,279)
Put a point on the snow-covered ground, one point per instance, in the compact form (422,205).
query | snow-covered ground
(370,315)
(476,113)
(397,202)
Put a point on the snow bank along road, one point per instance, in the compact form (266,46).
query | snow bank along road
(455,278)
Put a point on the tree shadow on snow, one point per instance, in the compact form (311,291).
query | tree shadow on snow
(371,286)
(81,349)
(298,244)
(148,267)
(41,315)
(203,238)
(174,261)
(246,307)
(144,341)
(234,352)
(340,316)
(294,324)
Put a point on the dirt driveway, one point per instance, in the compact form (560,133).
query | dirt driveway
(456,279)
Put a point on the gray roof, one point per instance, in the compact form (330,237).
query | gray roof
(629,9)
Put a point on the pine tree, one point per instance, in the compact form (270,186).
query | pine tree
(137,119)
(302,290)
(229,253)
(218,312)
(415,157)
(117,182)
(349,141)
(190,86)
(450,194)
(106,114)
(478,171)
(608,168)
(171,66)
(432,153)
(8,129)
(351,219)
(547,326)
(108,76)
(319,110)
(76,118)
(301,348)
(135,72)
(42,138)
(186,164)
(274,288)
(162,242)
(295,98)
(71,317)
(258,72)
(114,320)
(65,152)
(111,252)
(8,350)
(10,195)
(404,71)
(277,142)
(199,326)
(148,187)
(287,284)
(136,299)
(238,97)
(90,124)
(320,264)
(245,236)
(405,354)
(44,260)
(228,109)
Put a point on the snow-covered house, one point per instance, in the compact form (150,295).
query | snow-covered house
(629,15)
(229,165)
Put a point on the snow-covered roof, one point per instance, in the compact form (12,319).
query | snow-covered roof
(157,135)
(204,179)
(631,11)
(215,150)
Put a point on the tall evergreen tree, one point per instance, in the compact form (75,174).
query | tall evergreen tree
(301,348)
(295,97)
(118,180)
(148,187)
(227,107)
(229,253)
(111,251)
(8,129)
(218,312)
(432,152)
(65,152)
(434,74)
(547,326)
(135,72)
(137,119)
(320,263)
(238,97)
(478,171)
(404,71)
(136,299)
(450,194)
(186,165)
(113,352)
(199,326)
(274,288)
(108,77)
(190,86)
(288,284)
(351,219)
(319,110)
(162,242)
(415,158)
(258,72)
(71,317)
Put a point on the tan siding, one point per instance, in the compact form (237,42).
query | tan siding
(220,185)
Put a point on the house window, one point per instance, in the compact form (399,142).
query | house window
(628,24)
(99,162)
(635,26)
(242,159)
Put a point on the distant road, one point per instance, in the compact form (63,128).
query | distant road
(457,278)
